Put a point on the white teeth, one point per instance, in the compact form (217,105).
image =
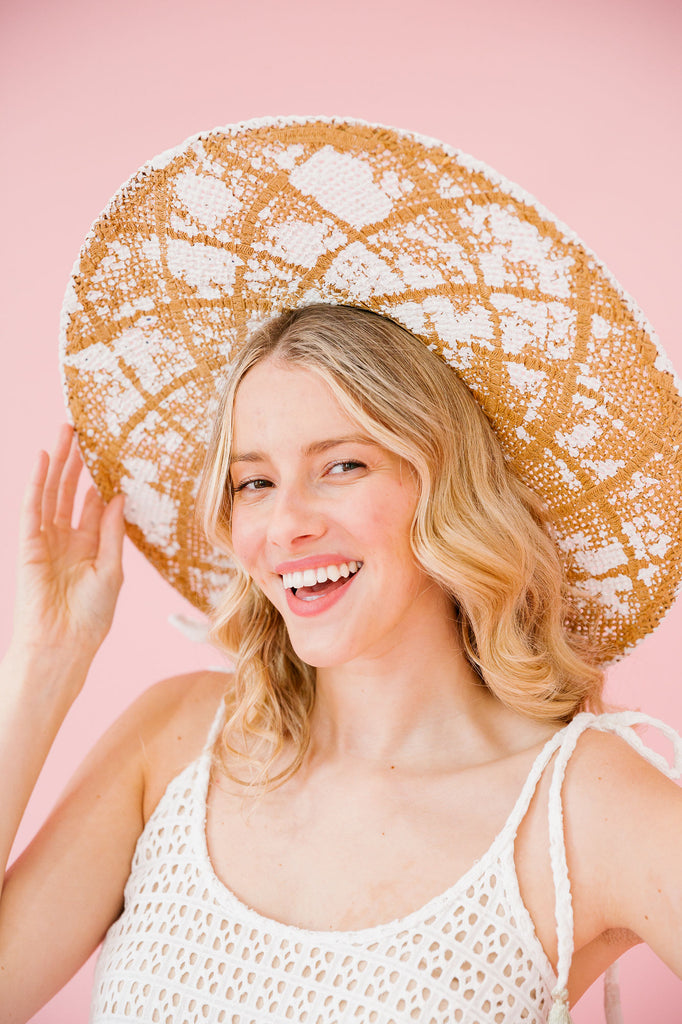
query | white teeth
(309,577)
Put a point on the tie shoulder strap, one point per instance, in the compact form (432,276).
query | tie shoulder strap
(623,724)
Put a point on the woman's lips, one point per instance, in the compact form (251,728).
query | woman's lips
(320,574)
(309,601)
(315,561)
(319,590)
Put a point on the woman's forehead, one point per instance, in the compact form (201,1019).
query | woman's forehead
(278,402)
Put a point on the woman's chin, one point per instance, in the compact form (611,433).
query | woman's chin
(317,658)
(323,651)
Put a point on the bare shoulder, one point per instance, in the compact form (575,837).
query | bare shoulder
(172,720)
(605,771)
(622,812)
(163,730)
(67,887)
(186,702)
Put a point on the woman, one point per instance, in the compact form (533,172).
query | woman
(385,723)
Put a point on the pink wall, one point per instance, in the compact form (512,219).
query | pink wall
(578,101)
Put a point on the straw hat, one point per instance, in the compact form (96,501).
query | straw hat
(209,239)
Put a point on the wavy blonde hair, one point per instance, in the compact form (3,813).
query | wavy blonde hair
(477,530)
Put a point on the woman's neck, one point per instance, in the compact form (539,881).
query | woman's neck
(415,699)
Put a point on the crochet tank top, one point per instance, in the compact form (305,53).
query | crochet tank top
(186,949)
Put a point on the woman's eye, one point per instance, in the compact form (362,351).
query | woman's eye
(258,484)
(347,466)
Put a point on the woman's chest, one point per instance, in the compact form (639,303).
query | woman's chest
(359,853)
(467,954)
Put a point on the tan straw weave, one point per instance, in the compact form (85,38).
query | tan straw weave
(236,224)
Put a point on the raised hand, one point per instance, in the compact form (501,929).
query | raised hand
(69,575)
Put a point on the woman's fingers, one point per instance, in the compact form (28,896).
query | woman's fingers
(105,526)
(49,500)
(68,486)
(69,574)
(31,510)
(54,474)
(91,516)
(111,535)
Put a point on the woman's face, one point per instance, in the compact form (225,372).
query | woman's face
(321,519)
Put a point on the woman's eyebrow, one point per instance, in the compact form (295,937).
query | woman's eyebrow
(333,442)
(315,448)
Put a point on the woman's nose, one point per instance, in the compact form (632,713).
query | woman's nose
(294,516)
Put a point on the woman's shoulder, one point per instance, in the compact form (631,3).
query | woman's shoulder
(613,775)
(173,719)
(622,825)
(619,822)
(615,755)
(621,814)
(189,700)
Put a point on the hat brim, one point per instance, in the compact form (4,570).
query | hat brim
(237,224)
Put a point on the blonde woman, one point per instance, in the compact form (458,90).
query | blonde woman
(401,805)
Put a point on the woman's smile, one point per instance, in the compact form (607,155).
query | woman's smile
(322,517)
(310,585)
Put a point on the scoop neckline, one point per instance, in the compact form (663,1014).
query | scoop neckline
(225,895)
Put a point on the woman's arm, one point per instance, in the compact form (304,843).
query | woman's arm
(67,585)
(64,891)
(624,838)
(68,581)
(622,822)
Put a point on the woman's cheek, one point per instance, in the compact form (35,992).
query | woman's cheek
(244,544)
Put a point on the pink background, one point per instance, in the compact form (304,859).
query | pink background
(579,102)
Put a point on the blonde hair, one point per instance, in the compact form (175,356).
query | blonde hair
(477,530)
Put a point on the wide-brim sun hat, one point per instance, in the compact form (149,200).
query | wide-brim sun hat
(210,239)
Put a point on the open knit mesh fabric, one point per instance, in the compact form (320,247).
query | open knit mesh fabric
(186,949)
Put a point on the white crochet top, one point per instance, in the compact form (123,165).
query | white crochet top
(186,950)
